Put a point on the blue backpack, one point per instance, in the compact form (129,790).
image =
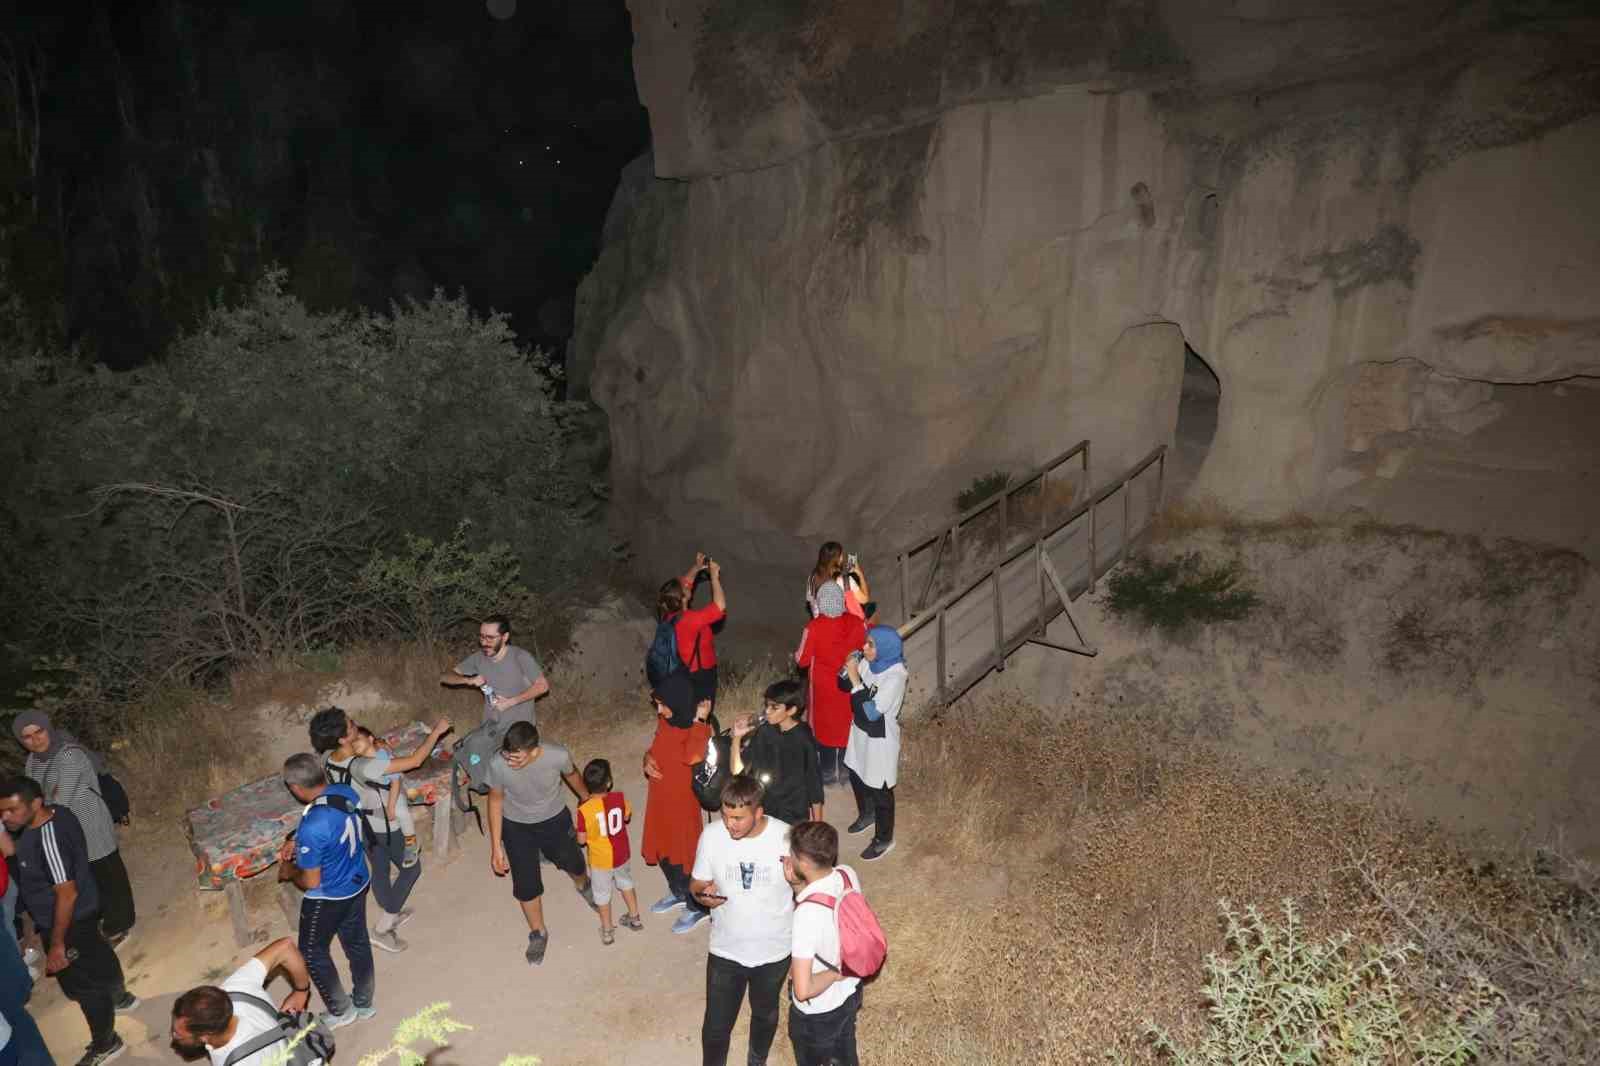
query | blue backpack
(663,660)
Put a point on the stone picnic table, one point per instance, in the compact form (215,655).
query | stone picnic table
(236,836)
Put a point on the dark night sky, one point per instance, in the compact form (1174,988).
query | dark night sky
(375,149)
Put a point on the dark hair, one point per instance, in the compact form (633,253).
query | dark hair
(206,1010)
(789,692)
(597,776)
(25,789)
(815,842)
(669,600)
(328,727)
(499,620)
(830,564)
(742,790)
(304,771)
(363,731)
(522,736)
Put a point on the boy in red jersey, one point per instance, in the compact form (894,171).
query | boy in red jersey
(602,824)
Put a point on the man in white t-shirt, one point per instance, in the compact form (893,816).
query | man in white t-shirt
(823,1002)
(738,875)
(206,1021)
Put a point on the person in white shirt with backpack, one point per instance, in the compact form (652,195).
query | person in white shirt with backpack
(238,1024)
(824,989)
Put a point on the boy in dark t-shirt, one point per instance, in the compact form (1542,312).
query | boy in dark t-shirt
(782,754)
(57,889)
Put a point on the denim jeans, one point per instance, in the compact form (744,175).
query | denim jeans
(320,921)
(726,982)
(15,987)
(390,889)
(827,1039)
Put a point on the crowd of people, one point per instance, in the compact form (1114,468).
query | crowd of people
(748,871)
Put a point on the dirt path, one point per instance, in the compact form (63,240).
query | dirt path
(636,1003)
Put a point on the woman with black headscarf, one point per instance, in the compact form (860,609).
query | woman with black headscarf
(672,815)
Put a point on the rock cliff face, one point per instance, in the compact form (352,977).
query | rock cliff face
(905,242)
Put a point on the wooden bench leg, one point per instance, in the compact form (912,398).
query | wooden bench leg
(442,810)
(239,914)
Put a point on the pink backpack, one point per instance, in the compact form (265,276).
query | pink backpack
(862,945)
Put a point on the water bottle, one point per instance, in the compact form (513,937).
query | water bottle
(488,699)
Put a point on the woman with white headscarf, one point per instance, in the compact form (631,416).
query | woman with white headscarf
(877,682)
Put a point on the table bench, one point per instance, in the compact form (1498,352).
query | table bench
(236,836)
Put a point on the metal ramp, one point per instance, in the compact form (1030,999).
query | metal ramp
(994,579)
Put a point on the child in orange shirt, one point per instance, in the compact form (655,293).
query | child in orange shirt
(602,824)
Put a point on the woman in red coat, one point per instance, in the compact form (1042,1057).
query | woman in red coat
(672,815)
(829,639)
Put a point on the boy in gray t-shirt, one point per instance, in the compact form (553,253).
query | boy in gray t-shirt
(528,818)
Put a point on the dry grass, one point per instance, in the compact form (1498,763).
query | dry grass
(1060,883)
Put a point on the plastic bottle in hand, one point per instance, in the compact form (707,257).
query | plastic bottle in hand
(488,699)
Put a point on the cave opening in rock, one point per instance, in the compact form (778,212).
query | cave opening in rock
(1197,422)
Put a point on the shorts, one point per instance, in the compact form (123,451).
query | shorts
(554,837)
(603,880)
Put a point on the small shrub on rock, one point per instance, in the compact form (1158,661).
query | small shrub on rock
(1179,593)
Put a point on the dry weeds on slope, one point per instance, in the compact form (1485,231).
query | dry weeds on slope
(1059,886)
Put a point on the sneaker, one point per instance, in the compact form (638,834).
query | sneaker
(877,850)
(608,936)
(351,1015)
(537,942)
(666,903)
(413,854)
(363,1013)
(861,824)
(105,1055)
(631,921)
(389,941)
(689,919)
(587,892)
(128,1002)
(402,916)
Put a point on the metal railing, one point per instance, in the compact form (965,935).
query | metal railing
(1047,595)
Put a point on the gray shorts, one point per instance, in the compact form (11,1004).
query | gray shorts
(603,880)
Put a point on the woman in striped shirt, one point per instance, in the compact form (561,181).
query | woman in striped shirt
(66,773)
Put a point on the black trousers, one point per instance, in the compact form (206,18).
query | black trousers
(93,980)
(320,921)
(116,894)
(878,802)
(827,1039)
(830,764)
(678,884)
(726,984)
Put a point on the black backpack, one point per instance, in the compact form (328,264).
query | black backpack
(663,660)
(110,790)
(711,773)
(317,1044)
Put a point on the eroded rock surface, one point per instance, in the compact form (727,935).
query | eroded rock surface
(904,243)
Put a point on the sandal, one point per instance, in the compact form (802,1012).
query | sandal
(608,936)
(632,921)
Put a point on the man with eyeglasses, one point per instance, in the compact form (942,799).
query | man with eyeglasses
(511,675)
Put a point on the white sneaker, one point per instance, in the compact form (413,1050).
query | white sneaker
(389,941)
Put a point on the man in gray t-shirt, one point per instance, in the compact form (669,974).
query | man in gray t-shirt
(528,818)
(515,676)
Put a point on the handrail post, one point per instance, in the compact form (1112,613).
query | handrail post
(999,623)
(1044,500)
(906,607)
(1093,568)
(1038,573)
(940,652)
